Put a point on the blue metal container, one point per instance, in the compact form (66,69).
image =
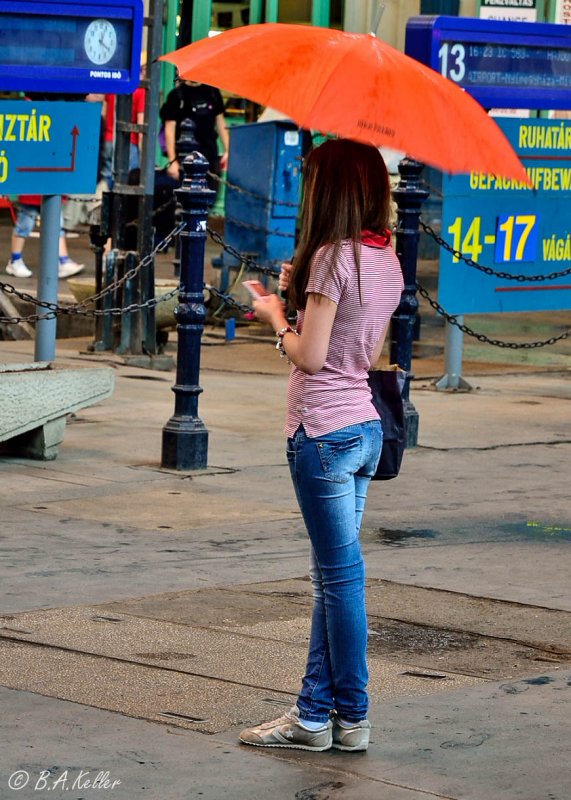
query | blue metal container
(262,195)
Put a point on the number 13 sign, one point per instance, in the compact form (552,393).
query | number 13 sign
(502,64)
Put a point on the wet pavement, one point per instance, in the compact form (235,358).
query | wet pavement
(147,615)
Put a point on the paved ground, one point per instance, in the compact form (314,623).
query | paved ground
(147,615)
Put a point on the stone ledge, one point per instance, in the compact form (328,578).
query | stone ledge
(35,400)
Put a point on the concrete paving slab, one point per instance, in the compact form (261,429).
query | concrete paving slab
(239,684)
(495,485)
(147,509)
(537,574)
(146,692)
(77,467)
(431,629)
(504,741)
(388,600)
(268,658)
(160,761)
(527,624)
(56,560)
(224,608)
(548,423)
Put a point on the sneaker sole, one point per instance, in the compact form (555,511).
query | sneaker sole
(347,749)
(289,746)
(14,275)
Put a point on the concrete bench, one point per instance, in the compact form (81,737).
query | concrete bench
(35,400)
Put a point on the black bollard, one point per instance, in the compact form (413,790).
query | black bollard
(185,438)
(409,197)
(187,143)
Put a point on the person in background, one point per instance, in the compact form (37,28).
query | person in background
(80,208)
(28,211)
(204,106)
(108,143)
(345,284)
(137,116)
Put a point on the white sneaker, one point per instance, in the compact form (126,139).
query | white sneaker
(69,268)
(353,738)
(18,269)
(288,731)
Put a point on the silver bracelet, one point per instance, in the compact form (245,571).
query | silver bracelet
(280,340)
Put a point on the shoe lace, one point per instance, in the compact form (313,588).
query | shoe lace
(287,717)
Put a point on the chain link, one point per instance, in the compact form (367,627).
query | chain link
(71,311)
(245,260)
(507,276)
(250,226)
(7,288)
(482,337)
(240,189)
(228,299)
(156,211)
(54,310)
(147,260)
(432,189)
(79,308)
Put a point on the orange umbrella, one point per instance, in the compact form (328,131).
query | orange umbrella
(356,86)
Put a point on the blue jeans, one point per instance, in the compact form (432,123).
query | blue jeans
(26,220)
(331,476)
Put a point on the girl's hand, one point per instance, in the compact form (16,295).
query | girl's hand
(285,274)
(270,309)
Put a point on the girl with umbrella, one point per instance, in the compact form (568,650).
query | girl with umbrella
(345,283)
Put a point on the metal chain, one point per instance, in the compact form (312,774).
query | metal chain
(507,276)
(432,189)
(240,189)
(9,289)
(228,299)
(159,210)
(80,308)
(92,312)
(482,337)
(246,260)
(252,227)
(96,202)
(54,310)
(148,259)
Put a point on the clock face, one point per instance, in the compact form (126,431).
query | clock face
(100,41)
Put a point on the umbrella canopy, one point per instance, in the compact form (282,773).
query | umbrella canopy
(355,86)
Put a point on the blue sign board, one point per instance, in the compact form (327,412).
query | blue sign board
(70,48)
(501,64)
(49,148)
(503,224)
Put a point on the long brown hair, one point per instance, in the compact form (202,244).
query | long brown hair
(346,191)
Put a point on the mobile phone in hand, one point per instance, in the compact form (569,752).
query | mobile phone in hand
(256,289)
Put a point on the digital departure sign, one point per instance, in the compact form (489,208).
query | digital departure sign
(502,64)
(62,47)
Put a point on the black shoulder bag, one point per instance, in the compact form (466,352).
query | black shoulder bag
(386,388)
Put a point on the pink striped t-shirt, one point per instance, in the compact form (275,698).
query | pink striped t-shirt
(339,395)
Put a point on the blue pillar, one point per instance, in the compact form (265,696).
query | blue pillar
(45,345)
(409,197)
(185,438)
